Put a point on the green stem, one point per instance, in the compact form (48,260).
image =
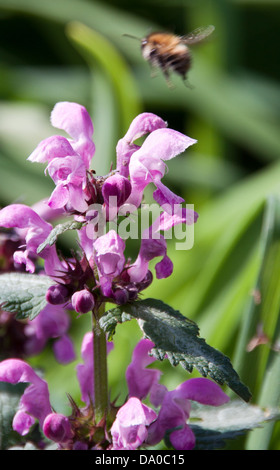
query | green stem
(100,366)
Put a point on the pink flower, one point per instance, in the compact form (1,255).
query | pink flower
(175,405)
(109,258)
(129,429)
(175,411)
(70,176)
(147,164)
(153,244)
(143,124)
(76,122)
(68,160)
(34,230)
(34,403)
(151,248)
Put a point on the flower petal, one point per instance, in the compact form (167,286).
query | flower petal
(22,216)
(129,430)
(182,439)
(203,391)
(150,248)
(139,379)
(147,163)
(53,147)
(35,399)
(164,144)
(144,123)
(73,118)
(64,350)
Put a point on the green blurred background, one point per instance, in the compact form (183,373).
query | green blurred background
(56,50)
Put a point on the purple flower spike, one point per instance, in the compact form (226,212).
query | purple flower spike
(34,403)
(129,430)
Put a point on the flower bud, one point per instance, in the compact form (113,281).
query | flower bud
(83,301)
(121,296)
(116,186)
(57,427)
(57,294)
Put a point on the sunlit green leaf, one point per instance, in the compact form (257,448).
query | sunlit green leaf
(58,230)
(23,294)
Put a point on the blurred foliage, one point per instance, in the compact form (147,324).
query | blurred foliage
(56,50)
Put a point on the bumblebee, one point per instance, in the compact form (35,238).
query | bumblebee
(170,52)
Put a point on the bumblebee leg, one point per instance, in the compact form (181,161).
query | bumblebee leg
(188,84)
(167,78)
(153,70)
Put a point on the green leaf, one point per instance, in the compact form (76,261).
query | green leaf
(176,337)
(58,230)
(23,294)
(214,426)
(8,405)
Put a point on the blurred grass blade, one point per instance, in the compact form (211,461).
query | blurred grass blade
(260,365)
(265,303)
(260,439)
(99,51)
(115,95)
(111,21)
(220,99)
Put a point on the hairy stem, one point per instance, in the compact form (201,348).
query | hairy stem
(100,366)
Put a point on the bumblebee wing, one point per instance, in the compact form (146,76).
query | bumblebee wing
(198,35)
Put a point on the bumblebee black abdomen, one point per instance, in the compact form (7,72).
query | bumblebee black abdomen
(180,63)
